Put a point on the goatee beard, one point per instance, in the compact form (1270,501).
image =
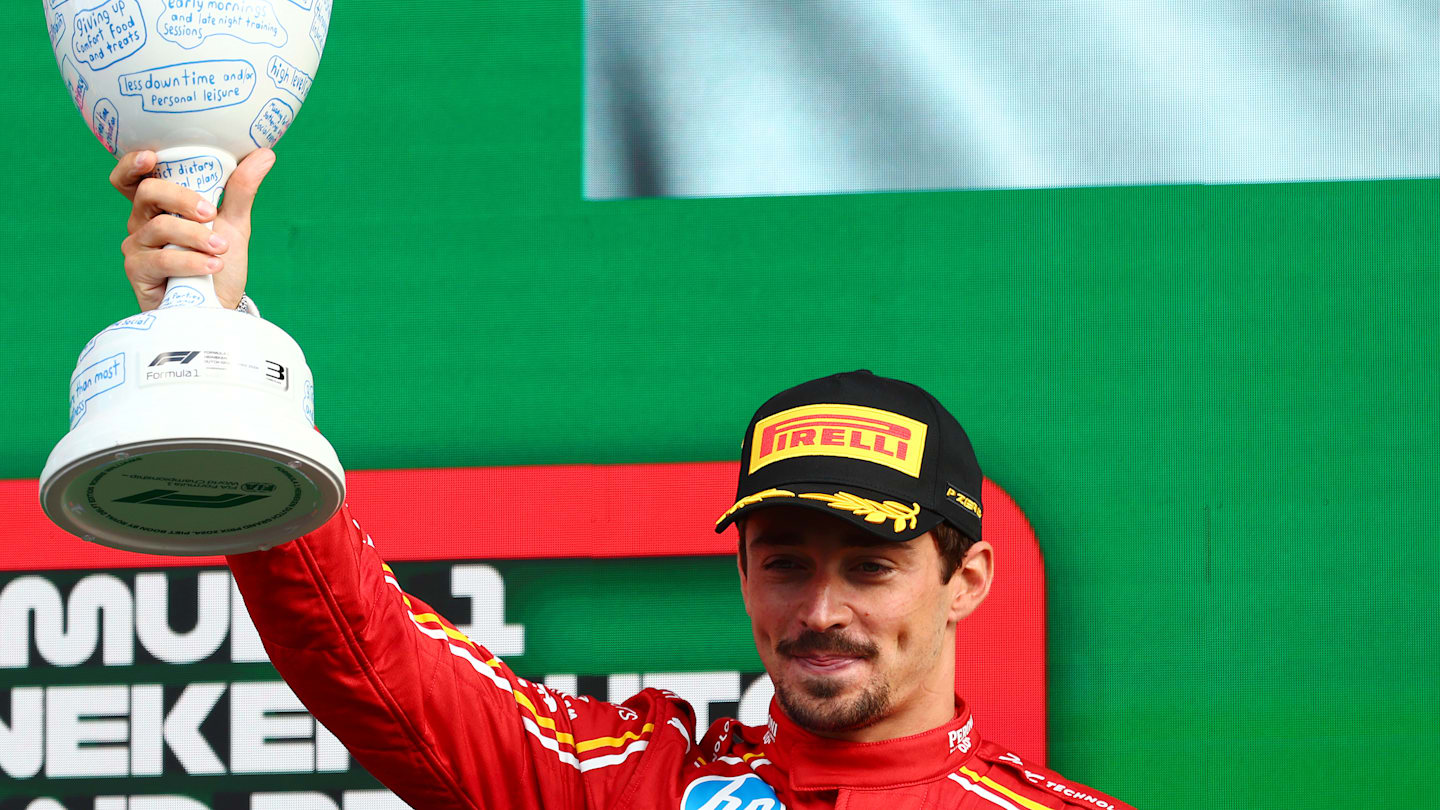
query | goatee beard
(812,702)
(819,710)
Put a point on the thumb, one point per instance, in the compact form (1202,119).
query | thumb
(244,182)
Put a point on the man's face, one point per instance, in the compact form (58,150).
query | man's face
(856,632)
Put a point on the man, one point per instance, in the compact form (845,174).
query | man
(860,549)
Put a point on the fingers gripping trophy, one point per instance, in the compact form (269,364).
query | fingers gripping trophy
(191,426)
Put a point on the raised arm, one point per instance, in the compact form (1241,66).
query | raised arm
(430,713)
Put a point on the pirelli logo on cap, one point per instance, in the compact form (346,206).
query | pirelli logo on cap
(848,431)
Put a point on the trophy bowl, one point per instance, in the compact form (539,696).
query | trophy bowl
(191,426)
(194,79)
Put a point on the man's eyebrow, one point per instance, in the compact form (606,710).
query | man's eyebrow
(776,539)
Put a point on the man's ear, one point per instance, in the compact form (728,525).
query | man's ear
(971,581)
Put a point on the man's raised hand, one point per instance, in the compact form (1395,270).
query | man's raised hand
(222,252)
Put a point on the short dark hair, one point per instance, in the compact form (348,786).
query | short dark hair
(949,541)
(952,544)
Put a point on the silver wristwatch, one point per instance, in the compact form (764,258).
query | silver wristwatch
(247,306)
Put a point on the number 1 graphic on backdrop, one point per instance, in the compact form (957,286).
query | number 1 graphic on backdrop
(206,404)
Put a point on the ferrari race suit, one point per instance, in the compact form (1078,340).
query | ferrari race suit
(444,724)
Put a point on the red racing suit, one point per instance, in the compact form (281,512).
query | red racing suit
(444,724)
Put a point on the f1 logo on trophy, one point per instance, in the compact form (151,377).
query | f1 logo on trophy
(191,426)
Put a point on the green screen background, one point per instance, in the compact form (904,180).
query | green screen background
(1217,405)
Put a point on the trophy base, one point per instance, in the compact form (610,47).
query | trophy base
(191,435)
(192,497)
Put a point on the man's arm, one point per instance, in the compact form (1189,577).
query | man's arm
(430,713)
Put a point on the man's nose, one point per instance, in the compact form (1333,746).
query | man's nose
(824,606)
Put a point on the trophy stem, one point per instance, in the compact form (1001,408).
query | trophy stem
(205,170)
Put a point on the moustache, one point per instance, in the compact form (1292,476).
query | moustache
(811,642)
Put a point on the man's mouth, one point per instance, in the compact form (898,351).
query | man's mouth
(825,664)
(825,653)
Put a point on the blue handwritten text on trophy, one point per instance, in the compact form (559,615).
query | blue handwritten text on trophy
(105,123)
(137,323)
(181,297)
(198,174)
(288,77)
(107,33)
(75,82)
(187,23)
(271,123)
(320,24)
(99,377)
(191,86)
(55,21)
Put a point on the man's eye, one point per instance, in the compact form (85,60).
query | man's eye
(779,565)
(874,568)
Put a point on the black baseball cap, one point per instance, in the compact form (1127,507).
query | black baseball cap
(878,452)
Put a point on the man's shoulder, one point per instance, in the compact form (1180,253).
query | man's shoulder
(1033,786)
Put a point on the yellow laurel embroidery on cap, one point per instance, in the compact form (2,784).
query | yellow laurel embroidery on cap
(756,498)
(872,511)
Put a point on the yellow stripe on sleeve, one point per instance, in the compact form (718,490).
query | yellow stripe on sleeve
(449,631)
(542,720)
(1029,804)
(613,742)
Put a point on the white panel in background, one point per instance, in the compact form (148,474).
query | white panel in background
(750,97)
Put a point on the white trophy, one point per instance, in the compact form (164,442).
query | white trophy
(192,426)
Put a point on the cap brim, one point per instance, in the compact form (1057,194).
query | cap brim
(872,511)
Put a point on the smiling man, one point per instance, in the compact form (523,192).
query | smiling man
(860,518)
(853,563)
(852,630)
